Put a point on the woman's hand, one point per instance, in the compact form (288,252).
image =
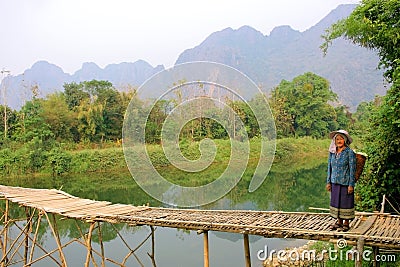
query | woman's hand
(328,187)
(350,189)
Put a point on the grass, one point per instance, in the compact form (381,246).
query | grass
(291,154)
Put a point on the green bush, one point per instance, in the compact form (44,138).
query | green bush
(97,160)
(6,161)
(59,161)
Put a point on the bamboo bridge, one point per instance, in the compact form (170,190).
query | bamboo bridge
(378,230)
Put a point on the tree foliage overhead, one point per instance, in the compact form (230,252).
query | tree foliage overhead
(375,24)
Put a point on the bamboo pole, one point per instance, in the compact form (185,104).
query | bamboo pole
(4,262)
(152,254)
(99,254)
(101,245)
(383,204)
(56,237)
(29,214)
(246,250)
(132,251)
(48,254)
(35,236)
(11,247)
(375,254)
(360,249)
(138,260)
(206,254)
(121,237)
(26,248)
(89,254)
(34,243)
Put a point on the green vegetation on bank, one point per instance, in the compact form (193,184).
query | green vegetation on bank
(290,153)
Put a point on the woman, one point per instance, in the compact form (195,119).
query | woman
(341,179)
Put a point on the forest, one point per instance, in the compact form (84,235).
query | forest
(91,114)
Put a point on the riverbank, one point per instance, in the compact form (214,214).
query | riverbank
(291,153)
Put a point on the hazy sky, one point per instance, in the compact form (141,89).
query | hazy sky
(70,32)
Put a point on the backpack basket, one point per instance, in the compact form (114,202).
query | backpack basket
(360,162)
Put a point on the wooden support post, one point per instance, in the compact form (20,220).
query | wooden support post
(246,250)
(46,254)
(4,263)
(29,219)
(101,245)
(206,255)
(153,246)
(360,249)
(54,230)
(89,254)
(15,245)
(375,253)
(383,204)
(35,237)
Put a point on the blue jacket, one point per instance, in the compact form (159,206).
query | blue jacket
(342,167)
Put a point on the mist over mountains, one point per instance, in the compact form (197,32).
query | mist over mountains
(267,59)
(50,78)
(286,53)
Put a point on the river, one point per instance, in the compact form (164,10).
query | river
(283,190)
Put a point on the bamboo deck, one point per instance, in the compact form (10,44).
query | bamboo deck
(378,229)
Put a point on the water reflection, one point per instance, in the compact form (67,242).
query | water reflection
(284,191)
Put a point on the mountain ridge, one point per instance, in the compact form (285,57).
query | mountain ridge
(49,78)
(351,70)
(267,59)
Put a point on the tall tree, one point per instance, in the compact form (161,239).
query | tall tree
(283,119)
(99,108)
(74,94)
(155,120)
(90,121)
(304,105)
(103,94)
(11,117)
(374,24)
(58,116)
(31,123)
(246,115)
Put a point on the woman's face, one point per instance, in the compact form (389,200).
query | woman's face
(339,141)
